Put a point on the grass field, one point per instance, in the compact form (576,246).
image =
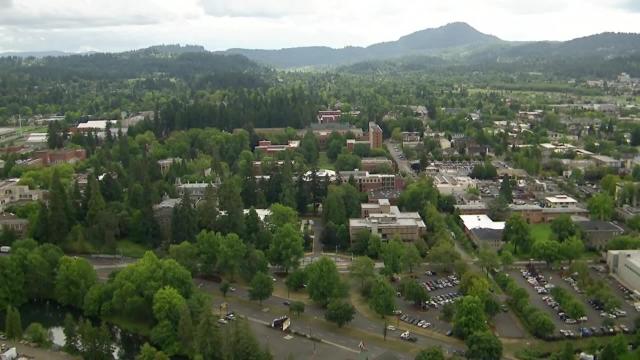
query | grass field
(540,232)
(324,162)
(130,249)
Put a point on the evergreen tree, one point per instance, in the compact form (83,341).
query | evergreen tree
(208,209)
(243,344)
(95,202)
(58,222)
(184,223)
(506,190)
(54,135)
(231,203)
(40,229)
(208,341)
(77,203)
(123,149)
(70,334)
(185,330)
(13,324)
(302,195)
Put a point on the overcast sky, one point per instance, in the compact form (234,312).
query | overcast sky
(116,25)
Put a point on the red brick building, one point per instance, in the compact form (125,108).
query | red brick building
(375,136)
(53,157)
(329,116)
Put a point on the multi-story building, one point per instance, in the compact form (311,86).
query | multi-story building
(54,157)
(597,233)
(607,161)
(366,182)
(560,201)
(165,164)
(324,131)
(454,185)
(625,266)
(374,164)
(11,192)
(375,136)
(388,222)
(329,116)
(163,213)
(196,191)
(13,223)
(483,231)
(266,147)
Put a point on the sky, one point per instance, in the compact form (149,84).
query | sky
(118,25)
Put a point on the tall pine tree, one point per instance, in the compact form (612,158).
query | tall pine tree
(59,220)
(184,222)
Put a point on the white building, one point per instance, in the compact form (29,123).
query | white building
(454,185)
(560,201)
(96,125)
(625,265)
(483,231)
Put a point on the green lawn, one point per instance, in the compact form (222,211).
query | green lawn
(540,232)
(130,249)
(324,162)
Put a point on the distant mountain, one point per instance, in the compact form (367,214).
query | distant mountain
(454,37)
(156,50)
(600,46)
(601,55)
(36,54)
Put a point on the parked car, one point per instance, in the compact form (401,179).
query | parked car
(407,336)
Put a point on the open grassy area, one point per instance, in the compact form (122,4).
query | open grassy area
(130,249)
(324,162)
(540,232)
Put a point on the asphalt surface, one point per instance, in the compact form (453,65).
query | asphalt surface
(313,321)
(553,277)
(403,165)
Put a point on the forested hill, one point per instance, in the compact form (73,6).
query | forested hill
(602,55)
(170,61)
(454,37)
(458,44)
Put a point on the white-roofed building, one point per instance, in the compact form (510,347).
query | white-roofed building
(483,231)
(96,125)
(560,201)
(388,222)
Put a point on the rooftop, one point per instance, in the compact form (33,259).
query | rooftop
(598,225)
(560,199)
(481,222)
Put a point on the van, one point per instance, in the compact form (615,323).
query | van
(5,249)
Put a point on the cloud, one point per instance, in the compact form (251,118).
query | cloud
(631,5)
(254,8)
(57,14)
(5,4)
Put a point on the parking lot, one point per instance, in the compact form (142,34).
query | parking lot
(442,289)
(539,282)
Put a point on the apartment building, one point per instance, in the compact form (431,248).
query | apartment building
(11,192)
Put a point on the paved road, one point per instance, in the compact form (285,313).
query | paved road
(314,321)
(403,165)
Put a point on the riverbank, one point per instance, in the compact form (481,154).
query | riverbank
(44,354)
